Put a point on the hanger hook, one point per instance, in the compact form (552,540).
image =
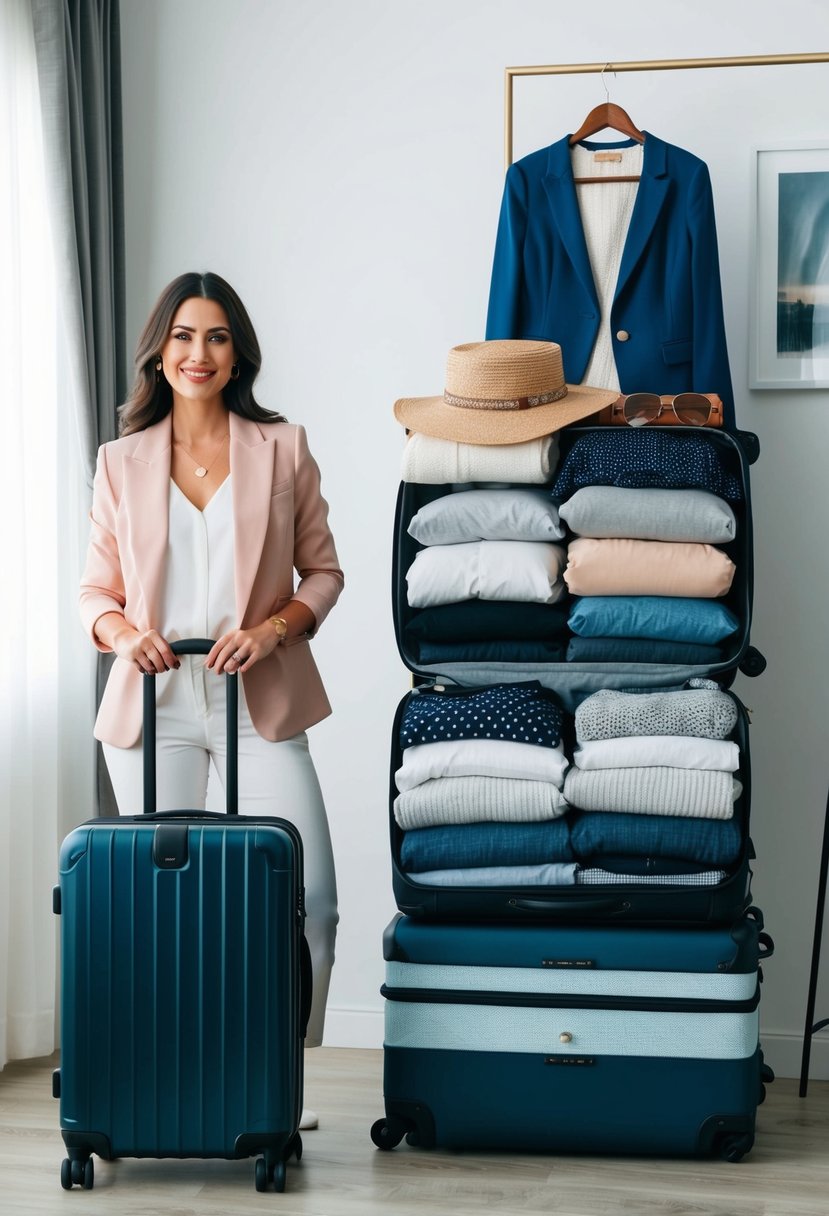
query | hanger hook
(606,68)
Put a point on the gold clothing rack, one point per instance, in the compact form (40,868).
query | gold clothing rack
(664,65)
(639,65)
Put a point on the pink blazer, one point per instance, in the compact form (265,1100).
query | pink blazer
(280,522)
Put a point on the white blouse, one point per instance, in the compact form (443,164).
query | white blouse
(199,595)
(605,215)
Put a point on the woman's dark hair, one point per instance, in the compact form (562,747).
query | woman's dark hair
(151,398)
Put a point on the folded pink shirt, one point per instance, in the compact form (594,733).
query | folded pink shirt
(647,567)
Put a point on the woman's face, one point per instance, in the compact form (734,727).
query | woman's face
(198,356)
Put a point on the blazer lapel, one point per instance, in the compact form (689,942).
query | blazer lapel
(561,192)
(252,459)
(652,192)
(146,498)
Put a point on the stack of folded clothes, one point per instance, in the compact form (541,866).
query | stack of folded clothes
(488,580)
(653,781)
(649,511)
(480,788)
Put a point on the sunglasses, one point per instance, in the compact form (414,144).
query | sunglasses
(689,409)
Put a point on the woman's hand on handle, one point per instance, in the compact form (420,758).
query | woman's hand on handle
(241,648)
(147,649)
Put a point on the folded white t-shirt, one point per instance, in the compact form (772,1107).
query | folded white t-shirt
(521,570)
(665,751)
(484,757)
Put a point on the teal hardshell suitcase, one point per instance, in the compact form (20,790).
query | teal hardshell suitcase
(185,982)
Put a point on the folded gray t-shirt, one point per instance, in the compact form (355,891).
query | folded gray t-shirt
(649,514)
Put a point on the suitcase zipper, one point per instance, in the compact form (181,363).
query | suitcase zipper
(458,690)
(533,1000)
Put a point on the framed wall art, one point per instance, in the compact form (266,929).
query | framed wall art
(789,345)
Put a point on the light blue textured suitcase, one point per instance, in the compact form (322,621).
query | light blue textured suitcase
(185,982)
(573,1039)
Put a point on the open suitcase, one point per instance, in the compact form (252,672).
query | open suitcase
(560,1039)
(571,683)
(185,981)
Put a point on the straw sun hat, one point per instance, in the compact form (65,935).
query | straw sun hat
(505,391)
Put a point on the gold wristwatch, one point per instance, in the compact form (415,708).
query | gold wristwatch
(281,626)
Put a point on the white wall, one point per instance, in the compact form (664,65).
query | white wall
(342,165)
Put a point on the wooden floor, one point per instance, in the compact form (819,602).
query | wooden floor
(342,1174)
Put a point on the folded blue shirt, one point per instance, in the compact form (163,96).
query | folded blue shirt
(636,458)
(674,619)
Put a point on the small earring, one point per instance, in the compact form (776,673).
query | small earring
(234,372)
(158,367)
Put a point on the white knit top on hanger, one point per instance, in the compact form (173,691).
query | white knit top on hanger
(605,216)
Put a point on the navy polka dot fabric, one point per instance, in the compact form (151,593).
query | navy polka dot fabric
(635,459)
(523,713)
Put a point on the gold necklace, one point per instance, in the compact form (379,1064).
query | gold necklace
(201,470)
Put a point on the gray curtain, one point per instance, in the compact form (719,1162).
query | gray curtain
(79,69)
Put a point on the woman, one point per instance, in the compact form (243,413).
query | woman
(201,511)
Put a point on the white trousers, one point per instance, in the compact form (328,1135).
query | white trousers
(274,779)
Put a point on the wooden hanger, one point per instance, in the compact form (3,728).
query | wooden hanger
(608,114)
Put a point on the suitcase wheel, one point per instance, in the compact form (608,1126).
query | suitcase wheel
(387,1133)
(734,1148)
(77,1173)
(295,1148)
(265,1173)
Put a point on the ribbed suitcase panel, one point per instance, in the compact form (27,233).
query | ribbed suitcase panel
(616,1032)
(178,1031)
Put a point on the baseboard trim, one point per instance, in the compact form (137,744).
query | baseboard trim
(353,1027)
(356,1027)
(783,1053)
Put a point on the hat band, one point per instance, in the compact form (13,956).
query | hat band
(514,403)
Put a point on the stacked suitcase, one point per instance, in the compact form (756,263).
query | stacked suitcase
(619,1014)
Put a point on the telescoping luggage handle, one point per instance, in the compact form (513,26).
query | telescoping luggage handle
(193,646)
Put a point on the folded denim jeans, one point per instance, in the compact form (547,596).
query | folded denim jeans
(711,842)
(642,650)
(486,844)
(491,652)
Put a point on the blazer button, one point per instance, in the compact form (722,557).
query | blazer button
(622,335)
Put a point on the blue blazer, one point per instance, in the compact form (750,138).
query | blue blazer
(668,299)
